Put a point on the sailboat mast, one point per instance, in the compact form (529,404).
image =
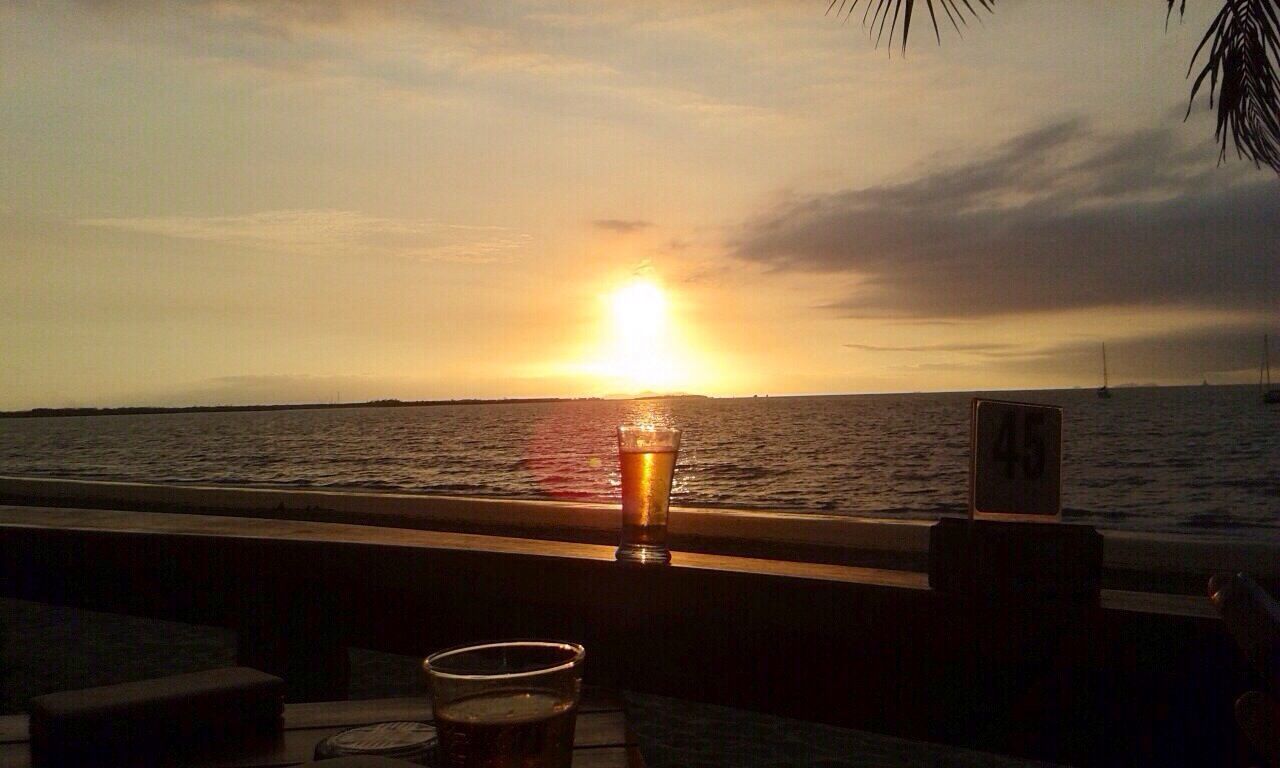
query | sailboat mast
(1266,357)
(1104,365)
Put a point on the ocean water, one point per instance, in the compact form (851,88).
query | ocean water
(1203,460)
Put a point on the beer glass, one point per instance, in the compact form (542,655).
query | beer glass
(506,705)
(648,459)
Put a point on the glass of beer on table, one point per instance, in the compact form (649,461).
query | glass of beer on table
(648,458)
(506,705)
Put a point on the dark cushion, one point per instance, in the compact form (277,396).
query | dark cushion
(196,708)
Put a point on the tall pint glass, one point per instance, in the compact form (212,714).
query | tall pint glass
(648,459)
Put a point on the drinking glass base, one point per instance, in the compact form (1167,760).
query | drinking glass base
(644,554)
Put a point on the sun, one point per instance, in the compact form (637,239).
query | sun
(642,348)
(639,311)
(643,342)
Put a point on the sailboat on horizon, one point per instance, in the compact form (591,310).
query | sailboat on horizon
(1270,395)
(1104,391)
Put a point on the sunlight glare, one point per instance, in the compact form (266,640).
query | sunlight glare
(641,354)
(639,311)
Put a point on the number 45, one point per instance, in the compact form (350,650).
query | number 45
(1030,456)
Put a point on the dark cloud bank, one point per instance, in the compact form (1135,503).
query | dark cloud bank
(1059,218)
(1064,217)
(1218,354)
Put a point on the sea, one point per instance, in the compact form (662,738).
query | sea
(1197,460)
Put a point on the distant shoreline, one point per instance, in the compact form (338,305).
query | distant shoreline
(394,403)
(143,410)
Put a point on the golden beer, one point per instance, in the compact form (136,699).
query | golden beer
(506,705)
(507,729)
(648,459)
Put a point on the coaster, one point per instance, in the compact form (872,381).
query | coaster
(403,740)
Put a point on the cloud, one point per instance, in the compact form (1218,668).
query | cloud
(1223,354)
(334,233)
(981,348)
(430,53)
(1063,217)
(279,388)
(621,226)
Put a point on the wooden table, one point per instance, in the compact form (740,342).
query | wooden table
(602,738)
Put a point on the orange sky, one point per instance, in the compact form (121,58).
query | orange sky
(228,202)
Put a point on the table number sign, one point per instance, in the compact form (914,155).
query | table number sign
(1015,465)
(1004,553)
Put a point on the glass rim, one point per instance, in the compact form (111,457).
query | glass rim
(579,653)
(649,428)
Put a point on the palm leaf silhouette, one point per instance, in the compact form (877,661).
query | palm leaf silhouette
(879,12)
(1240,53)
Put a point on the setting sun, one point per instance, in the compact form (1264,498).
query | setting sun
(639,312)
(643,340)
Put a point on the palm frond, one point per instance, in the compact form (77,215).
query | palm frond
(1241,51)
(896,15)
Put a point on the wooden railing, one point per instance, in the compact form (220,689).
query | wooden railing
(1133,560)
(1138,679)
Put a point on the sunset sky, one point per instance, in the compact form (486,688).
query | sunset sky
(232,202)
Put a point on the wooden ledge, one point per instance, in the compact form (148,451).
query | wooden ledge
(1133,560)
(170,524)
(180,524)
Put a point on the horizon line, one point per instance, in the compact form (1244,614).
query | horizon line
(391,402)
